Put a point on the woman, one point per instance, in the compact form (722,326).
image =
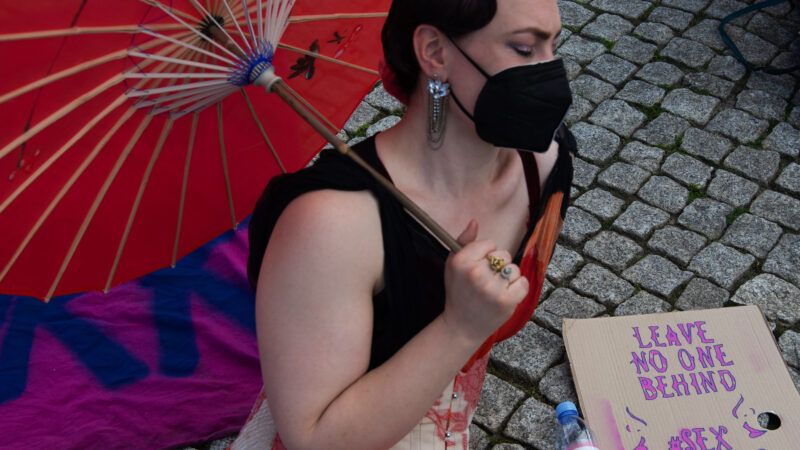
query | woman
(371,334)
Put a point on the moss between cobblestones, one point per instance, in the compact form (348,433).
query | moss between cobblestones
(651,112)
(695,192)
(609,44)
(738,211)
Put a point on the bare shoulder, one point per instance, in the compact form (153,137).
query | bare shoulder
(545,162)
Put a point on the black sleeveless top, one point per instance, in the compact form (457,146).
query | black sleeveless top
(414,292)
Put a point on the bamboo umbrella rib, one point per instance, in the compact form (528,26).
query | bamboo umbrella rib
(86,65)
(182,62)
(187,164)
(137,201)
(338,16)
(97,201)
(235,21)
(197,49)
(249,23)
(311,108)
(168,98)
(263,131)
(328,59)
(177,12)
(223,154)
(213,19)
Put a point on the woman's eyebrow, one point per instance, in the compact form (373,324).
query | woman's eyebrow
(538,32)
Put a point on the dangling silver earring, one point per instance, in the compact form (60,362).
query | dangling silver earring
(437,110)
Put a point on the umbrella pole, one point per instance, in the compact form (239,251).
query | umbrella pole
(275,84)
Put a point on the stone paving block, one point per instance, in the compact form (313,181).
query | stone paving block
(752,234)
(790,178)
(779,208)
(478,439)
(607,26)
(601,203)
(595,143)
(617,116)
(534,423)
(639,220)
(632,9)
(611,68)
(795,375)
(778,299)
(573,14)
(693,6)
(623,177)
(591,88)
(581,50)
(578,110)
(794,116)
(573,68)
(701,294)
(547,287)
(528,354)
(721,8)
(706,216)
(563,264)
(634,50)
(507,446)
(381,99)
(780,85)
(654,32)
(762,104)
(738,124)
(695,107)
(664,130)
(578,225)
(657,274)
(784,139)
(687,52)
(728,67)
(565,303)
(785,60)
(641,93)
(784,259)
(706,32)
(711,84)
(709,146)
(732,189)
(755,49)
(677,243)
(557,385)
(365,113)
(660,73)
(584,173)
(770,29)
(671,17)
(721,264)
(644,156)
(382,125)
(595,281)
(687,170)
(642,303)
(497,401)
(789,344)
(664,193)
(613,249)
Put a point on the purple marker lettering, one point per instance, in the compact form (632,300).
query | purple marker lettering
(649,391)
(721,356)
(640,362)
(654,336)
(672,337)
(686,331)
(719,436)
(658,361)
(686,436)
(704,355)
(727,380)
(701,333)
(694,383)
(677,384)
(639,338)
(709,385)
(686,359)
(661,386)
(699,438)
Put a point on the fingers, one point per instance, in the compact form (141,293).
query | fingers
(469,234)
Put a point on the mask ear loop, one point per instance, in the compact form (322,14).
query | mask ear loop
(452,92)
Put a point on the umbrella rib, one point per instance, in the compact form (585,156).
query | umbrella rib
(328,59)
(98,199)
(224,156)
(236,23)
(249,23)
(259,14)
(283,20)
(137,201)
(217,24)
(182,62)
(337,16)
(174,75)
(73,70)
(191,99)
(187,164)
(176,88)
(187,45)
(200,105)
(68,185)
(311,108)
(179,95)
(262,130)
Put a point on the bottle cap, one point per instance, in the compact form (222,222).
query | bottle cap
(566,409)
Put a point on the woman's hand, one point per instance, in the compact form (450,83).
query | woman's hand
(478,300)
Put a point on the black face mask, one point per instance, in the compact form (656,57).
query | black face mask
(521,107)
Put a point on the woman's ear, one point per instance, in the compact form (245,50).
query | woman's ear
(429,47)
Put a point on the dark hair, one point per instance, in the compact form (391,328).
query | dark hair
(454,18)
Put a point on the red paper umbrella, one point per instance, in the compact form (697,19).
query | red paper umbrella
(133,131)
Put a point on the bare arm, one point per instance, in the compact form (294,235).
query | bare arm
(314,319)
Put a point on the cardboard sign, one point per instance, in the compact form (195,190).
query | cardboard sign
(683,380)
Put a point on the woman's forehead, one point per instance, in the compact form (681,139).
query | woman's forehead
(540,17)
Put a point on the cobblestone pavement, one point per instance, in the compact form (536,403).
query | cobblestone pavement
(686,192)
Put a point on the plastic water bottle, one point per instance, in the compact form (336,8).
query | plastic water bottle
(573,433)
